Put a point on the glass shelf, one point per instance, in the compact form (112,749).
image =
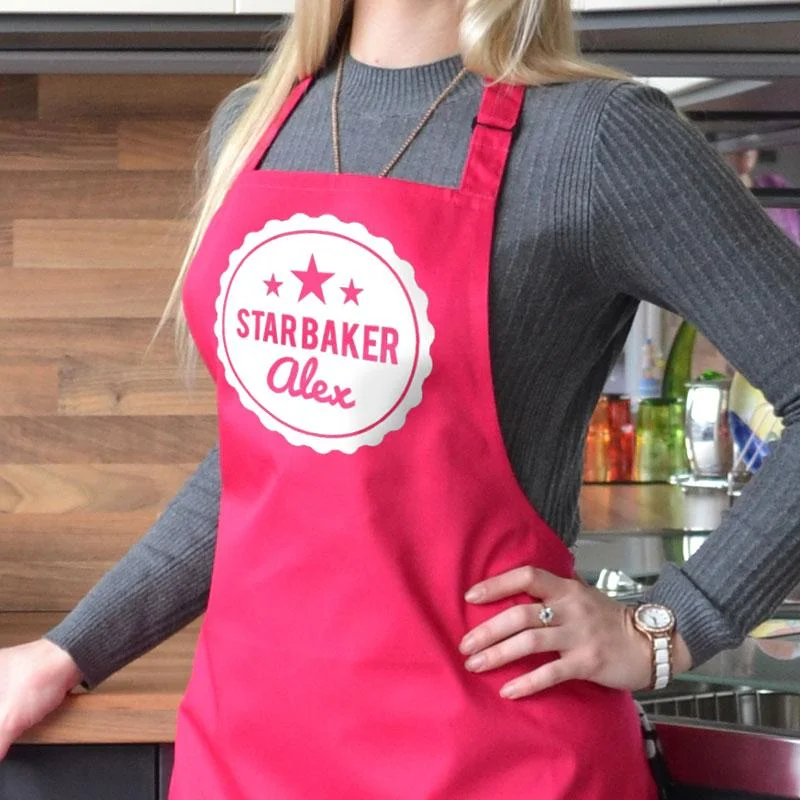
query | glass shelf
(772,664)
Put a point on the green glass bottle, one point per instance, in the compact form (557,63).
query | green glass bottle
(677,373)
(678,370)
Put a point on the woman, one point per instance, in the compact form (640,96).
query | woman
(399,466)
(745,162)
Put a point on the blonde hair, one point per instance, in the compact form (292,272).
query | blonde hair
(531,42)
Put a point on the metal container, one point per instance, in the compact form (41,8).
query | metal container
(709,445)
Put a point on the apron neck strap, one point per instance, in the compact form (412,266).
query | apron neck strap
(492,135)
(271,132)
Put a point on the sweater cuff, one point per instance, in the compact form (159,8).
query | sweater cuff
(66,636)
(700,623)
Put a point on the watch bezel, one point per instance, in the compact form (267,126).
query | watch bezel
(655,631)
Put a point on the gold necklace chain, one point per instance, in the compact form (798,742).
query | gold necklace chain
(337,158)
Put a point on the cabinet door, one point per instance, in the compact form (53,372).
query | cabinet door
(264,6)
(117,6)
(79,772)
(166,758)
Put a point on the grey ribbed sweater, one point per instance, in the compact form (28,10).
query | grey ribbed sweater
(609,197)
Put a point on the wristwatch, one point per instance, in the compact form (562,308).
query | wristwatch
(657,623)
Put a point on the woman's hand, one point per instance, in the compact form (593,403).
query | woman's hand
(594,635)
(34,679)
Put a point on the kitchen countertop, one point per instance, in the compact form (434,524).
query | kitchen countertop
(633,508)
(139,702)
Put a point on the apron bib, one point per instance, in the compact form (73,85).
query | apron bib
(365,487)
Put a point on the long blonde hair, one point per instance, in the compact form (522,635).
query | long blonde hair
(531,42)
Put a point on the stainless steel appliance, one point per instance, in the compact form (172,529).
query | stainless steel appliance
(708,437)
(724,740)
(724,762)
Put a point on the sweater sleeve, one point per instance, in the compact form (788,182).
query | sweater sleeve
(162,583)
(670,222)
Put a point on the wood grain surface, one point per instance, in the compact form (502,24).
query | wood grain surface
(96,194)
(86,244)
(117,340)
(132,96)
(68,294)
(155,439)
(96,435)
(19,96)
(631,508)
(58,145)
(93,388)
(6,242)
(159,144)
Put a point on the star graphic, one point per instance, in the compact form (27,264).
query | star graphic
(272,285)
(312,280)
(350,292)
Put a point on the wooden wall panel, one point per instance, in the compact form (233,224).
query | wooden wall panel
(18,96)
(28,388)
(23,546)
(133,96)
(6,243)
(97,531)
(36,585)
(94,388)
(107,440)
(93,488)
(159,144)
(60,294)
(35,548)
(99,244)
(96,436)
(60,145)
(121,340)
(95,194)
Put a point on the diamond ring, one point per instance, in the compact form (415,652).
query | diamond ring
(546,616)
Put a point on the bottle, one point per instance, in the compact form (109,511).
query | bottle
(678,371)
(650,382)
(622,438)
(677,374)
(598,436)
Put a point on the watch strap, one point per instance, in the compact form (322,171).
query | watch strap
(662,661)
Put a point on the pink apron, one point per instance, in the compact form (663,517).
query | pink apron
(366,486)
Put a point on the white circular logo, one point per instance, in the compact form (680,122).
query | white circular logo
(323,332)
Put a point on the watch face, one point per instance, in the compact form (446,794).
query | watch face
(654,618)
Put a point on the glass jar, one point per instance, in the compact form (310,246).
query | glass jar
(660,450)
(622,439)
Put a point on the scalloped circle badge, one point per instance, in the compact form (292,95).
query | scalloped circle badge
(323,332)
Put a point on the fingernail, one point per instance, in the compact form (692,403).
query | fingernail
(475,593)
(476,662)
(509,690)
(468,645)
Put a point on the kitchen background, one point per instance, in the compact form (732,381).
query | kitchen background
(97,179)
(101,120)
